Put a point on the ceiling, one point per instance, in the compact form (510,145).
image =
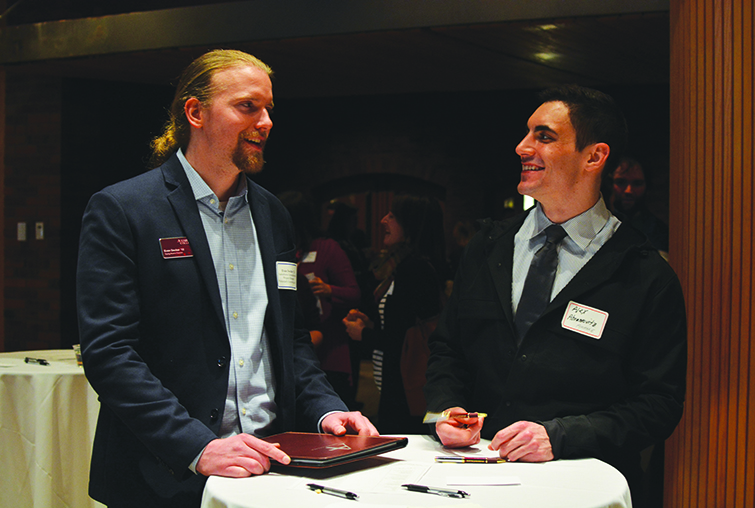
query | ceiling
(594,50)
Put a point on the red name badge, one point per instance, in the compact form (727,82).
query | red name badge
(176,248)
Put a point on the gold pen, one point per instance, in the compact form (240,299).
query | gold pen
(445,415)
(470,460)
(464,415)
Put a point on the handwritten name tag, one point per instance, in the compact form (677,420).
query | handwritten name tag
(286,275)
(585,320)
(176,248)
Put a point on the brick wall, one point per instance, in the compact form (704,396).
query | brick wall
(32,194)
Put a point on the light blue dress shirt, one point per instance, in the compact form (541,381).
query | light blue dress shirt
(250,402)
(585,235)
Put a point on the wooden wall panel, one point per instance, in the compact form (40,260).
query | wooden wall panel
(710,460)
(2,201)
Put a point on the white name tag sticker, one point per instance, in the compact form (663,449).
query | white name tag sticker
(310,257)
(585,320)
(286,275)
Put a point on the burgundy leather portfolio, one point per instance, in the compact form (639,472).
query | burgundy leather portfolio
(325,450)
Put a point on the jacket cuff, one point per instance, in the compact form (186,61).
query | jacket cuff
(556,434)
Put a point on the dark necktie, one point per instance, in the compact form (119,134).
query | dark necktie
(539,282)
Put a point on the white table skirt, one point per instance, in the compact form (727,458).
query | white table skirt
(584,483)
(47,420)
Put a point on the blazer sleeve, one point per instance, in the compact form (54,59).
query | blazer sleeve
(303,392)
(449,376)
(655,370)
(112,329)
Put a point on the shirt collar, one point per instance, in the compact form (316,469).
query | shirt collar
(199,187)
(581,229)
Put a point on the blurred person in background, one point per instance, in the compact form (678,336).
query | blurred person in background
(330,276)
(411,271)
(629,194)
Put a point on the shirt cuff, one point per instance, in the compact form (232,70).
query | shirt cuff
(193,465)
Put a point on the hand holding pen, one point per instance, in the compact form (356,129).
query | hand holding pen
(456,427)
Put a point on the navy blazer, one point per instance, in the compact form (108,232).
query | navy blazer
(154,342)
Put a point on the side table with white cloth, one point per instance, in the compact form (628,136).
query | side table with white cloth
(48,414)
(584,483)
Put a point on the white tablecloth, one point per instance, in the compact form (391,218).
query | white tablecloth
(585,483)
(47,420)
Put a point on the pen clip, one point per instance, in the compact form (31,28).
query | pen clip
(322,489)
(433,490)
(448,493)
(38,361)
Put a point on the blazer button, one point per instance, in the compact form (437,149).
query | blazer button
(523,358)
(222,361)
(214,415)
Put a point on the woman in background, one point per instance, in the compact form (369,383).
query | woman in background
(411,271)
(327,269)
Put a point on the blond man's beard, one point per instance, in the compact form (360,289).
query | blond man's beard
(249,161)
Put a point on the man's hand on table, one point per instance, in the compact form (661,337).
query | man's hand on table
(523,441)
(458,432)
(239,456)
(354,421)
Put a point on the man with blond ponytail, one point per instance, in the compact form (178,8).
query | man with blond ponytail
(190,329)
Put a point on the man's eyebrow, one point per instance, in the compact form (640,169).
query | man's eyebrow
(256,99)
(540,128)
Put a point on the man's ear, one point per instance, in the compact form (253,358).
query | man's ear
(597,156)
(193,111)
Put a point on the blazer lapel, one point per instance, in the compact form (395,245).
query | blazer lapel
(601,267)
(181,198)
(263,225)
(500,260)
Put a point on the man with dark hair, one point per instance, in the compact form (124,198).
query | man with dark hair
(567,328)
(190,329)
(630,184)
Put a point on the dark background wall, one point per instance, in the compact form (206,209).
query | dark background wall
(86,134)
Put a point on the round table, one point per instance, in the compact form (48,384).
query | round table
(584,483)
(48,415)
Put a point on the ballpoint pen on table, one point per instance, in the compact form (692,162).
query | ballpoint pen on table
(436,491)
(40,361)
(471,460)
(445,415)
(321,489)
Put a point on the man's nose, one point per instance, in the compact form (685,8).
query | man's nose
(265,123)
(524,147)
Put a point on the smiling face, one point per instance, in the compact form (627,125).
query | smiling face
(394,233)
(553,171)
(236,122)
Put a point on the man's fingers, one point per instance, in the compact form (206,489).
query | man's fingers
(265,450)
(523,441)
(341,423)
(455,436)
